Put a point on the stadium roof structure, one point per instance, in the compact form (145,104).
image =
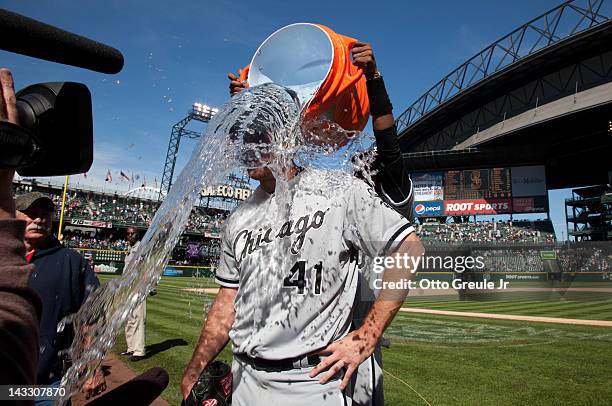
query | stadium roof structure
(539,95)
(144,192)
(592,191)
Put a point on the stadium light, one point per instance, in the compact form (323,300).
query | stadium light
(203,111)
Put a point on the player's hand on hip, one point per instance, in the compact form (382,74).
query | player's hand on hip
(347,353)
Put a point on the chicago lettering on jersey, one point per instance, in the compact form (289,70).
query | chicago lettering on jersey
(255,240)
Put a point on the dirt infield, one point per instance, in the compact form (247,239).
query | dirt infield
(440,292)
(212,291)
(116,373)
(559,320)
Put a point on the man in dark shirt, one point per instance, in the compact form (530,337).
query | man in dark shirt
(62,278)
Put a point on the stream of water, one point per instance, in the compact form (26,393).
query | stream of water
(260,126)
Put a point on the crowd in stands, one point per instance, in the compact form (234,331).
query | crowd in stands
(107,208)
(509,260)
(196,252)
(119,212)
(124,211)
(587,258)
(488,231)
(201,221)
(582,257)
(188,251)
(81,239)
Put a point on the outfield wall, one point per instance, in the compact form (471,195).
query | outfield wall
(112,262)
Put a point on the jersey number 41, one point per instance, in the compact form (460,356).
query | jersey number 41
(297,278)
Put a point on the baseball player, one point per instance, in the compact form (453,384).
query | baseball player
(290,274)
(382,168)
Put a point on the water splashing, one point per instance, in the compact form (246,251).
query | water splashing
(260,126)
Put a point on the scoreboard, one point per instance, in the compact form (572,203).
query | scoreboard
(477,184)
(480,191)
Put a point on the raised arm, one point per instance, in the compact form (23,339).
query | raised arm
(393,181)
(214,336)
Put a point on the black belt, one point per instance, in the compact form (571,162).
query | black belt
(279,365)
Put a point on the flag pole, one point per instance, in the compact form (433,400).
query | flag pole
(59,230)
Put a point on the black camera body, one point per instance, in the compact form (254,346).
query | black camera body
(55,132)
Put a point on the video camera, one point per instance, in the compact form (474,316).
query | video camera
(55,131)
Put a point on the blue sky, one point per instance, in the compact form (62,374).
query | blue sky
(179,53)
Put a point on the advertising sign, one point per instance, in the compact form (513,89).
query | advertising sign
(536,204)
(428,209)
(171,271)
(91,223)
(226,191)
(528,181)
(427,186)
(552,254)
(477,206)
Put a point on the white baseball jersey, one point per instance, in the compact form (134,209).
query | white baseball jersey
(293,259)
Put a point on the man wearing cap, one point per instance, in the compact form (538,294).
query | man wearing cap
(62,278)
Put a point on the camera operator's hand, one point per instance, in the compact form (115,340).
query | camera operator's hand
(8,112)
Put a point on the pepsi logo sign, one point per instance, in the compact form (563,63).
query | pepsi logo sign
(429,209)
(419,209)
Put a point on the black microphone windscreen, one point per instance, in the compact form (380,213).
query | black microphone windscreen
(26,36)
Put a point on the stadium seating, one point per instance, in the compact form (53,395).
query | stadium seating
(121,211)
(511,260)
(78,239)
(488,231)
(585,258)
(200,245)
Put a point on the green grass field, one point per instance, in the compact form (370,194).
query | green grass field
(566,304)
(437,359)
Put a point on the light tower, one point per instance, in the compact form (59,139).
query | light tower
(199,112)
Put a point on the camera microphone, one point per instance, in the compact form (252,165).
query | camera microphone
(33,38)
